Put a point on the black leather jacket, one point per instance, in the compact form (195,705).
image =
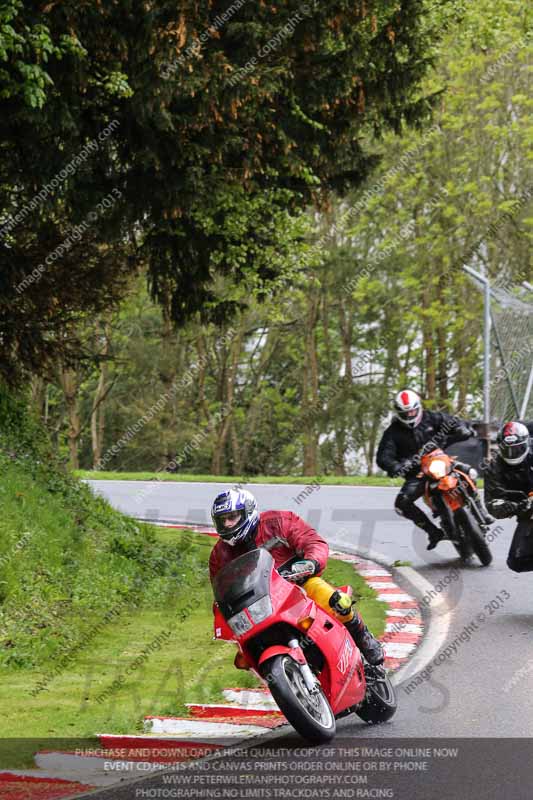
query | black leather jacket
(400,442)
(501,478)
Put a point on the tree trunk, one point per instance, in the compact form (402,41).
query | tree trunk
(168,375)
(346,326)
(227,390)
(442,364)
(38,389)
(202,363)
(326,325)
(98,418)
(429,352)
(254,407)
(69,384)
(235,450)
(98,408)
(340,451)
(310,388)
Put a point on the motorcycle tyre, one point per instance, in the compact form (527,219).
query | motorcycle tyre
(293,710)
(378,707)
(476,538)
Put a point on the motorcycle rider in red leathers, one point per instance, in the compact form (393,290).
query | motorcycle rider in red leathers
(287,536)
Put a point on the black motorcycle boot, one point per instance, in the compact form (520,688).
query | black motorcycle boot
(367,644)
(434,533)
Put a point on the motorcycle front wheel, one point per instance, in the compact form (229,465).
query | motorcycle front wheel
(308,712)
(474,535)
(463,548)
(453,533)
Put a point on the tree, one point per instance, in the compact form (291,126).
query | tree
(198,164)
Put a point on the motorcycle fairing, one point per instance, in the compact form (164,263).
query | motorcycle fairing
(236,588)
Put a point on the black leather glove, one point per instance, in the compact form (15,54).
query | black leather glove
(407,465)
(507,508)
(300,571)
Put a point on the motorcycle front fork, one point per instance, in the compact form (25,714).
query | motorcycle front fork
(444,514)
(310,680)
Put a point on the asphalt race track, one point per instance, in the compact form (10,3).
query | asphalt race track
(482,690)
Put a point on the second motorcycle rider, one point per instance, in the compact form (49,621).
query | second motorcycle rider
(413,432)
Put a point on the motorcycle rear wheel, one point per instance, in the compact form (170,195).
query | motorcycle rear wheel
(380,703)
(309,714)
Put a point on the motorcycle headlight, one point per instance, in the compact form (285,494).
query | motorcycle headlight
(239,623)
(261,609)
(438,469)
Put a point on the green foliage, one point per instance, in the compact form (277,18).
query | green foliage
(211,170)
(67,558)
(357,301)
(24,48)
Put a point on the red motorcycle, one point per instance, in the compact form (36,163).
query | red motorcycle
(307,658)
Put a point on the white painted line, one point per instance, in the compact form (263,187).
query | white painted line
(403,627)
(250,699)
(381,559)
(214,731)
(91,770)
(398,649)
(395,598)
(437,632)
(403,612)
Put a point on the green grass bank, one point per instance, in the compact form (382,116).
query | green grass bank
(325,480)
(102,620)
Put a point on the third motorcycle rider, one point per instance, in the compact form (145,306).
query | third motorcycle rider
(508,482)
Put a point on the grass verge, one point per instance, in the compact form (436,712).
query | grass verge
(326,480)
(102,620)
(103,690)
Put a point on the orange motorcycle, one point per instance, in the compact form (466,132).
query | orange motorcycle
(449,493)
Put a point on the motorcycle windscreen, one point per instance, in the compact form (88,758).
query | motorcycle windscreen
(243,581)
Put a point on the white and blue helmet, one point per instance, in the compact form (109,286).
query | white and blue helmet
(231,502)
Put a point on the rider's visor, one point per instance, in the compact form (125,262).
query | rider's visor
(230,519)
(515,452)
(438,469)
(227,523)
(411,414)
